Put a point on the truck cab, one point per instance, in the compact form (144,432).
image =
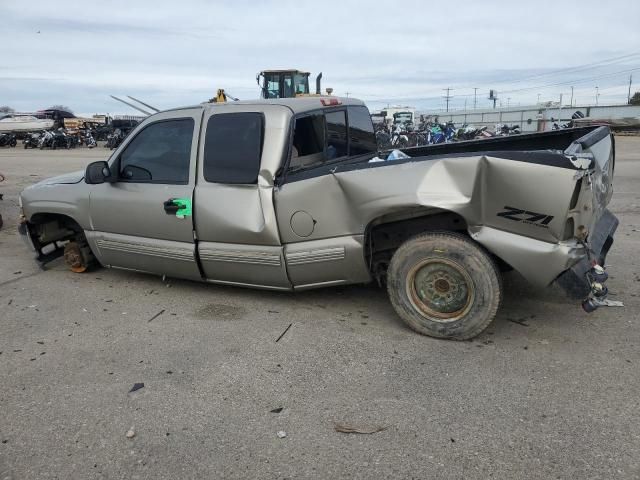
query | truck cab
(192,193)
(285,83)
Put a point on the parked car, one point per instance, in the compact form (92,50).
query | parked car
(289,194)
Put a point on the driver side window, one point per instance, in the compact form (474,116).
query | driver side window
(160,153)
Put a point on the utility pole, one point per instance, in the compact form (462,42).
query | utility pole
(538,99)
(508,101)
(447,96)
(629,94)
(347,94)
(571,103)
(560,110)
(597,95)
(493,95)
(475,97)
(465,104)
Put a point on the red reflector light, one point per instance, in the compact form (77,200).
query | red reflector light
(330,101)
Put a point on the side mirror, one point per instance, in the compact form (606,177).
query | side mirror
(97,172)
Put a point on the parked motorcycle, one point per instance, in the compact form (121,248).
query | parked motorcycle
(31,140)
(53,140)
(505,129)
(8,140)
(46,140)
(61,139)
(74,140)
(101,133)
(449,132)
(436,134)
(88,139)
(383,139)
(399,139)
(114,139)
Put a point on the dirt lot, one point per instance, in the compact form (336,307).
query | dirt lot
(546,392)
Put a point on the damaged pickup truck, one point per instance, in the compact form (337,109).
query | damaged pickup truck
(290,194)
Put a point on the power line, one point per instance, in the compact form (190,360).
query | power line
(569,82)
(557,84)
(539,87)
(575,68)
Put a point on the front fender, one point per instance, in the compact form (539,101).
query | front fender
(70,200)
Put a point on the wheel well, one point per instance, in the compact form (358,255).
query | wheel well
(385,234)
(40,218)
(47,228)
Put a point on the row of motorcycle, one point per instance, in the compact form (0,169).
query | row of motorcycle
(59,138)
(403,135)
(62,139)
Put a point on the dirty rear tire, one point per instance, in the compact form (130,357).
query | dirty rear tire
(429,259)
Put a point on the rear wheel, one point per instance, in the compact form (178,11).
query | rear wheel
(444,285)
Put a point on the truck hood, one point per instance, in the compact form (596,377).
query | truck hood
(66,179)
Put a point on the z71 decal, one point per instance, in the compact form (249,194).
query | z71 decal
(525,216)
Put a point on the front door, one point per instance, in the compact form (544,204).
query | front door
(237,232)
(143,221)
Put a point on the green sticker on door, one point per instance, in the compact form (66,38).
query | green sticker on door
(184,207)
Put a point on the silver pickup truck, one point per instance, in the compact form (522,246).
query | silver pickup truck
(291,194)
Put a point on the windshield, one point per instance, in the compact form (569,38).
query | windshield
(301,83)
(272,85)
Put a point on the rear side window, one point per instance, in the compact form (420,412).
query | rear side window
(336,135)
(233,147)
(361,135)
(160,153)
(308,141)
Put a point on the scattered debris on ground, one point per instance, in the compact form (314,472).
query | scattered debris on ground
(346,428)
(519,322)
(156,315)
(283,333)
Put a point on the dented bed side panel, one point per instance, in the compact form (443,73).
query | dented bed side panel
(517,210)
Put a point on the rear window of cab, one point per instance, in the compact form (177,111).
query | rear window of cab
(330,136)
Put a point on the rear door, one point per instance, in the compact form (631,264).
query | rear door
(238,239)
(143,221)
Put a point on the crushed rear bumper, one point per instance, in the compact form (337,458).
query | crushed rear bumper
(574,281)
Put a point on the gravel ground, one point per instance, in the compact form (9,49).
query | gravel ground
(546,392)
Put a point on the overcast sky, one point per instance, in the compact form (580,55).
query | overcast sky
(177,53)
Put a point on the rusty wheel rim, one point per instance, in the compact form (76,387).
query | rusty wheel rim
(440,289)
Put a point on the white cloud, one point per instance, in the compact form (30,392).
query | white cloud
(179,52)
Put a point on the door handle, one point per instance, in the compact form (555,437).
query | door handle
(170,207)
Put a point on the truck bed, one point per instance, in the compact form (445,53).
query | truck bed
(547,148)
(558,140)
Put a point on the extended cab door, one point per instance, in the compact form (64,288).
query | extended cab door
(322,236)
(235,221)
(143,221)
